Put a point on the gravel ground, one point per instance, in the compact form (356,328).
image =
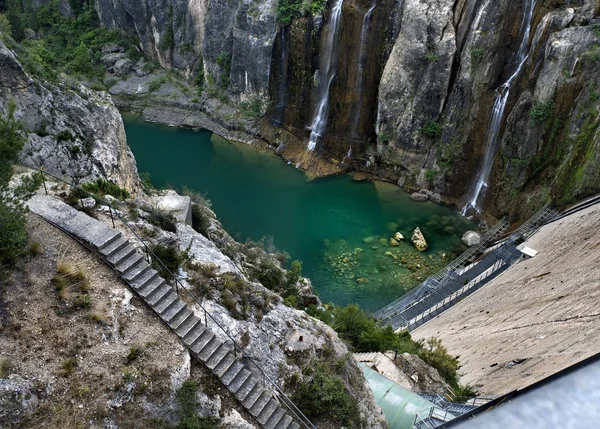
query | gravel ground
(544,311)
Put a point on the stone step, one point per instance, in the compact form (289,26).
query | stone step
(157,295)
(145,277)
(152,287)
(208,349)
(235,384)
(260,403)
(294,425)
(180,307)
(206,337)
(105,240)
(232,373)
(121,255)
(246,388)
(196,334)
(181,318)
(225,363)
(253,396)
(187,326)
(114,247)
(136,272)
(268,410)
(275,417)
(129,263)
(217,357)
(166,302)
(285,422)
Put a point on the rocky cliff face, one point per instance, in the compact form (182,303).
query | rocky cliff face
(229,41)
(72,131)
(413,86)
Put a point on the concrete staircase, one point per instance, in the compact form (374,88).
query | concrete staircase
(217,355)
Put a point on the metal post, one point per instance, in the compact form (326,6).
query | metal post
(176,284)
(234,350)
(111,216)
(44,182)
(205,319)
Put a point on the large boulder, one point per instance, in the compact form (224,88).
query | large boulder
(122,67)
(419,240)
(471,238)
(419,197)
(179,206)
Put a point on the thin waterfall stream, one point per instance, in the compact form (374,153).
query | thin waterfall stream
(491,145)
(327,73)
(364,37)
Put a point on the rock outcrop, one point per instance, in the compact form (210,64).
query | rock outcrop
(73,132)
(418,240)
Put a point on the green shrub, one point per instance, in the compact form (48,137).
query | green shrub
(430,175)
(163,220)
(430,56)
(269,275)
(476,56)
(200,219)
(102,187)
(170,256)
(187,396)
(432,129)
(541,112)
(134,353)
(323,395)
(5,28)
(68,367)
(146,179)
(224,60)
(155,84)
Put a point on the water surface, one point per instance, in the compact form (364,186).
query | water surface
(338,228)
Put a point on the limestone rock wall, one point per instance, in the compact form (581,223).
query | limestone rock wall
(73,132)
(431,71)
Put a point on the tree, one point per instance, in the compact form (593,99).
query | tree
(5,25)
(12,140)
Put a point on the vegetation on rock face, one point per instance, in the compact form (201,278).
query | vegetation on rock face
(288,10)
(541,112)
(432,129)
(322,394)
(13,235)
(171,257)
(68,44)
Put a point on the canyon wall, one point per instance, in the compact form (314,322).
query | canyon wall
(412,86)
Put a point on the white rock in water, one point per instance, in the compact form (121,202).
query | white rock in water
(471,238)
(398,237)
(419,240)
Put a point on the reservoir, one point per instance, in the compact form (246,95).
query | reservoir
(340,229)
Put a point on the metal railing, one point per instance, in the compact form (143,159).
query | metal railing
(452,299)
(426,419)
(267,381)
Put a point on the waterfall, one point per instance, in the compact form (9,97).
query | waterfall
(364,36)
(326,73)
(283,80)
(502,93)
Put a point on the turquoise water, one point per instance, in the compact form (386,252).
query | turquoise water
(338,228)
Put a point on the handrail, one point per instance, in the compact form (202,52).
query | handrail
(267,381)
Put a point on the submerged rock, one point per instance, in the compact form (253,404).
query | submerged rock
(417,196)
(419,240)
(398,237)
(471,238)
(394,242)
